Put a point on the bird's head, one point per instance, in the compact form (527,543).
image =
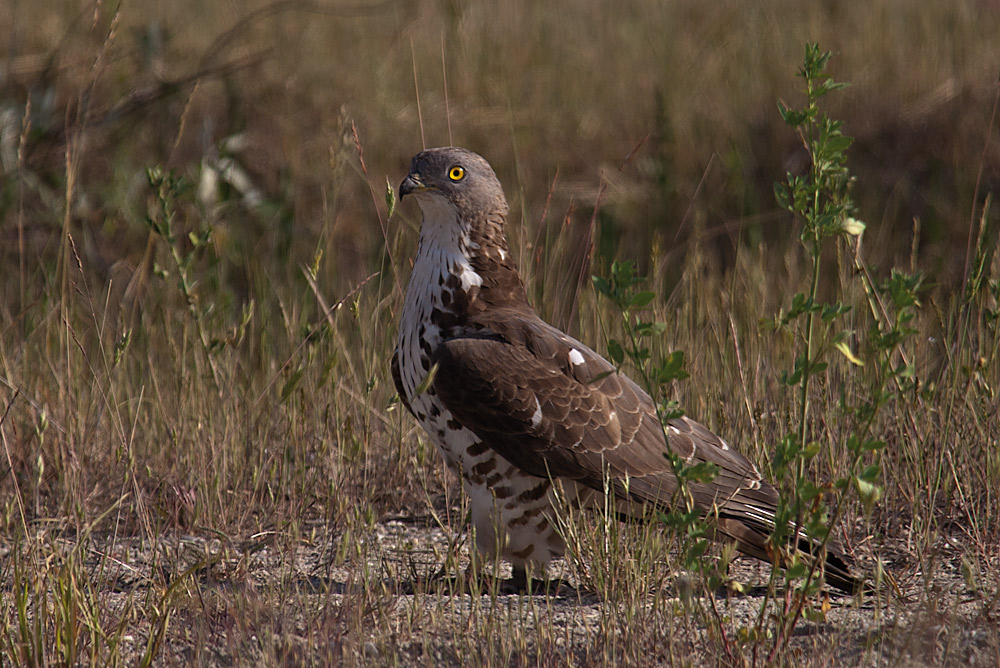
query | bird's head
(455,178)
(464,214)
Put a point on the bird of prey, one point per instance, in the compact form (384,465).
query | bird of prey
(529,417)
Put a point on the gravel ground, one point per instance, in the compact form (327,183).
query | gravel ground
(337,599)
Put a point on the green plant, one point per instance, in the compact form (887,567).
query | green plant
(810,502)
(820,200)
(624,288)
(168,188)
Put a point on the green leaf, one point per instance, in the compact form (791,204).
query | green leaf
(638,355)
(650,328)
(869,492)
(703,472)
(808,491)
(291,384)
(792,117)
(831,311)
(781,196)
(800,304)
(642,299)
(874,445)
(615,352)
(845,350)
(602,285)
(671,368)
(871,473)
(601,376)
(670,410)
(782,109)
(796,571)
(698,549)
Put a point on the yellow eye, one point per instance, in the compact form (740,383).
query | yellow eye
(456,173)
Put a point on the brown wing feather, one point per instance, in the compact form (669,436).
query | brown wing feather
(586,427)
(515,385)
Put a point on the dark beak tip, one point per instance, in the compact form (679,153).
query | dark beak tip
(408,186)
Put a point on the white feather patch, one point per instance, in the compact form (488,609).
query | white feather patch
(536,417)
(575,357)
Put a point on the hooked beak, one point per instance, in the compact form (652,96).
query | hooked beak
(412,184)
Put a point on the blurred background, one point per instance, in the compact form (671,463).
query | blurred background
(187,188)
(256,105)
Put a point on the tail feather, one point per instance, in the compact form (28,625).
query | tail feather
(837,567)
(837,571)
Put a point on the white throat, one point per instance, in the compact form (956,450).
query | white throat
(440,256)
(443,250)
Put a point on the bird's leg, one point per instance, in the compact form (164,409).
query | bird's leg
(473,580)
(460,582)
(521,582)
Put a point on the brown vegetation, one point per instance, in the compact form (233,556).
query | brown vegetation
(202,456)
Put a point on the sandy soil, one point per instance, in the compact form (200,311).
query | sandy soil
(337,599)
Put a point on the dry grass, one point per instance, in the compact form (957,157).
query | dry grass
(203,458)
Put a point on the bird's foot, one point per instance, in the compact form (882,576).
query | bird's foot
(474,582)
(521,583)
